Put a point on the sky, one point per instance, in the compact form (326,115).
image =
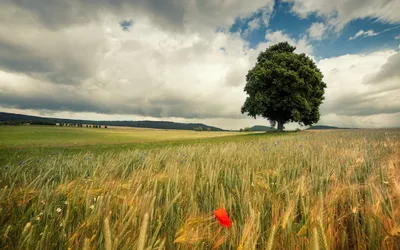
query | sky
(186,60)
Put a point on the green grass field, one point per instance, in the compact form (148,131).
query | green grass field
(35,141)
(28,136)
(72,188)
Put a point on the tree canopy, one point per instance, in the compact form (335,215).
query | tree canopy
(284,87)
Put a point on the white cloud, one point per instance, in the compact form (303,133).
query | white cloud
(341,12)
(352,99)
(254,24)
(148,71)
(266,13)
(177,15)
(397,37)
(317,30)
(363,33)
(170,65)
(302,45)
(372,121)
(176,76)
(223,13)
(259,18)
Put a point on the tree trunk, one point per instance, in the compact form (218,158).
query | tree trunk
(280,126)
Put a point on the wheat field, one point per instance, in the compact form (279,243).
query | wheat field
(331,190)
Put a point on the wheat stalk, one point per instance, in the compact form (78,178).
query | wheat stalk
(142,235)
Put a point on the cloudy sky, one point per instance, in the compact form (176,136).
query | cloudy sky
(186,60)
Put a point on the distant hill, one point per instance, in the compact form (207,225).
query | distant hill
(10,117)
(319,127)
(257,128)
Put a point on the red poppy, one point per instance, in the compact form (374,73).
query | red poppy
(222,216)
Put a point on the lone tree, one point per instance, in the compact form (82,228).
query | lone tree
(284,87)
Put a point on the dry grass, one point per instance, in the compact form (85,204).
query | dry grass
(332,190)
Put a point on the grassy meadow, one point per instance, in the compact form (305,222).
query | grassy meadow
(99,189)
(21,142)
(26,136)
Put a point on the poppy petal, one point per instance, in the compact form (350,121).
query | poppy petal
(222,217)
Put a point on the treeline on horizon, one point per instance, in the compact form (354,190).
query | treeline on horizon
(18,119)
(50,123)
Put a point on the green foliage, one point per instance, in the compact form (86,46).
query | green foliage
(284,87)
(262,128)
(247,129)
(198,129)
(12,123)
(35,122)
(321,127)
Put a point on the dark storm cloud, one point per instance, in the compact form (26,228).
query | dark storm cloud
(57,102)
(19,59)
(57,14)
(167,105)
(54,68)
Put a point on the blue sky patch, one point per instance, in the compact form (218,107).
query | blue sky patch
(341,44)
(126,24)
(375,36)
